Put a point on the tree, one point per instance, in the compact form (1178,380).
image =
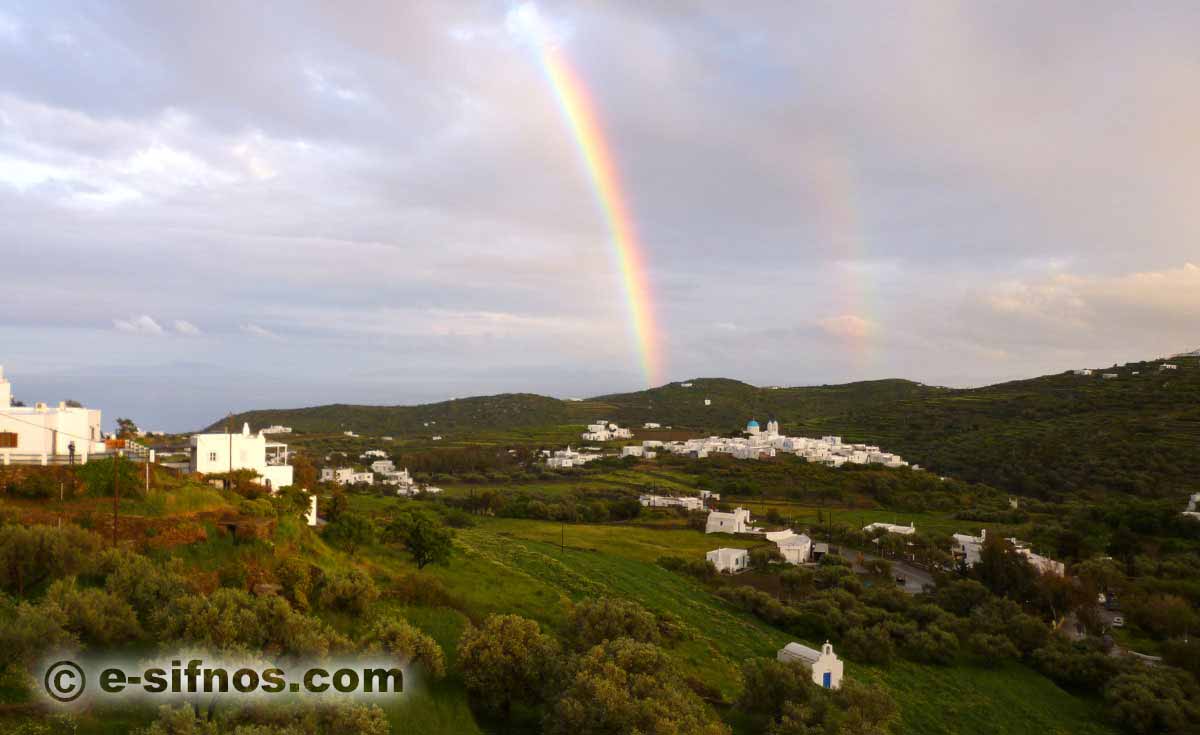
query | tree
(30,555)
(1003,571)
(622,686)
(425,537)
(350,531)
(352,590)
(506,660)
(762,556)
(304,472)
(1158,701)
(768,684)
(397,637)
(336,506)
(608,618)
(870,645)
(126,429)
(1163,616)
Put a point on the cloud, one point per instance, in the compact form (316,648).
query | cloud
(186,328)
(139,325)
(257,331)
(848,326)
(970,192)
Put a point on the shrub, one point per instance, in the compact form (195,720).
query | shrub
(352,590)
(400,638)
(506,660)
(595,621)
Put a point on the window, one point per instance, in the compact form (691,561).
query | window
(8,440)
(212,456)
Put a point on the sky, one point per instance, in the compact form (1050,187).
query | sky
(212,207)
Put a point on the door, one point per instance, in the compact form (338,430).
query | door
(826,679)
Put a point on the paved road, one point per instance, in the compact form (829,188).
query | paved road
(915,578)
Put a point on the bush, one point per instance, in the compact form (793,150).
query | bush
(399,638)
(352,591)
(595,621)
(623,686)
(869,645)
(507,660)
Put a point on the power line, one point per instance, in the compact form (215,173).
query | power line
(47,428)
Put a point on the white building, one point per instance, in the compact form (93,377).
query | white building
(736,522)
(310,517)
(632,450)
(1082,372)
(651,425)
(277,429)
(217,453)
(966,548)
(1191,506)
(667,501)
(825,666)
(363,478)
(891,528)
(795,548)
(44,430)
(1110,376)
(340,475)
(1168,366)
(564,459)
(383,466)
(729,560)
(758,444)
(603,431)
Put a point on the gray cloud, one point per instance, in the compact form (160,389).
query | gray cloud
(950,192)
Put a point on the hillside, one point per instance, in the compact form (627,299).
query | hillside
(1056,434)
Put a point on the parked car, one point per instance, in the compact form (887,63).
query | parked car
(1118,622)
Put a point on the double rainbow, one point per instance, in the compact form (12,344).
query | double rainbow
(581,116)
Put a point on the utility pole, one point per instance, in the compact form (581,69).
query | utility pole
(116,493)
(229,433)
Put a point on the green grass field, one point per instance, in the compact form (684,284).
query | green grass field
(527,567)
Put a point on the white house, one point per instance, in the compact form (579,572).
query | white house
(729,560)
(215,453)
(966,548)
(1084,371)
(632,450)
(42,429)
(666,501)
(277,429)
(825,666)
(383,466)
(1110,376)
(891,528)
(363,478)
(1168,366)
(1191,506)
(736,522)
(651,425)
(340,475)
(795,548)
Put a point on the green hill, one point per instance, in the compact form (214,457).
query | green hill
(1057,434)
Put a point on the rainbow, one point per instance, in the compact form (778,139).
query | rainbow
(581,116)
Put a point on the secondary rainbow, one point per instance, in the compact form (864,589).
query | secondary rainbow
(581,116)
